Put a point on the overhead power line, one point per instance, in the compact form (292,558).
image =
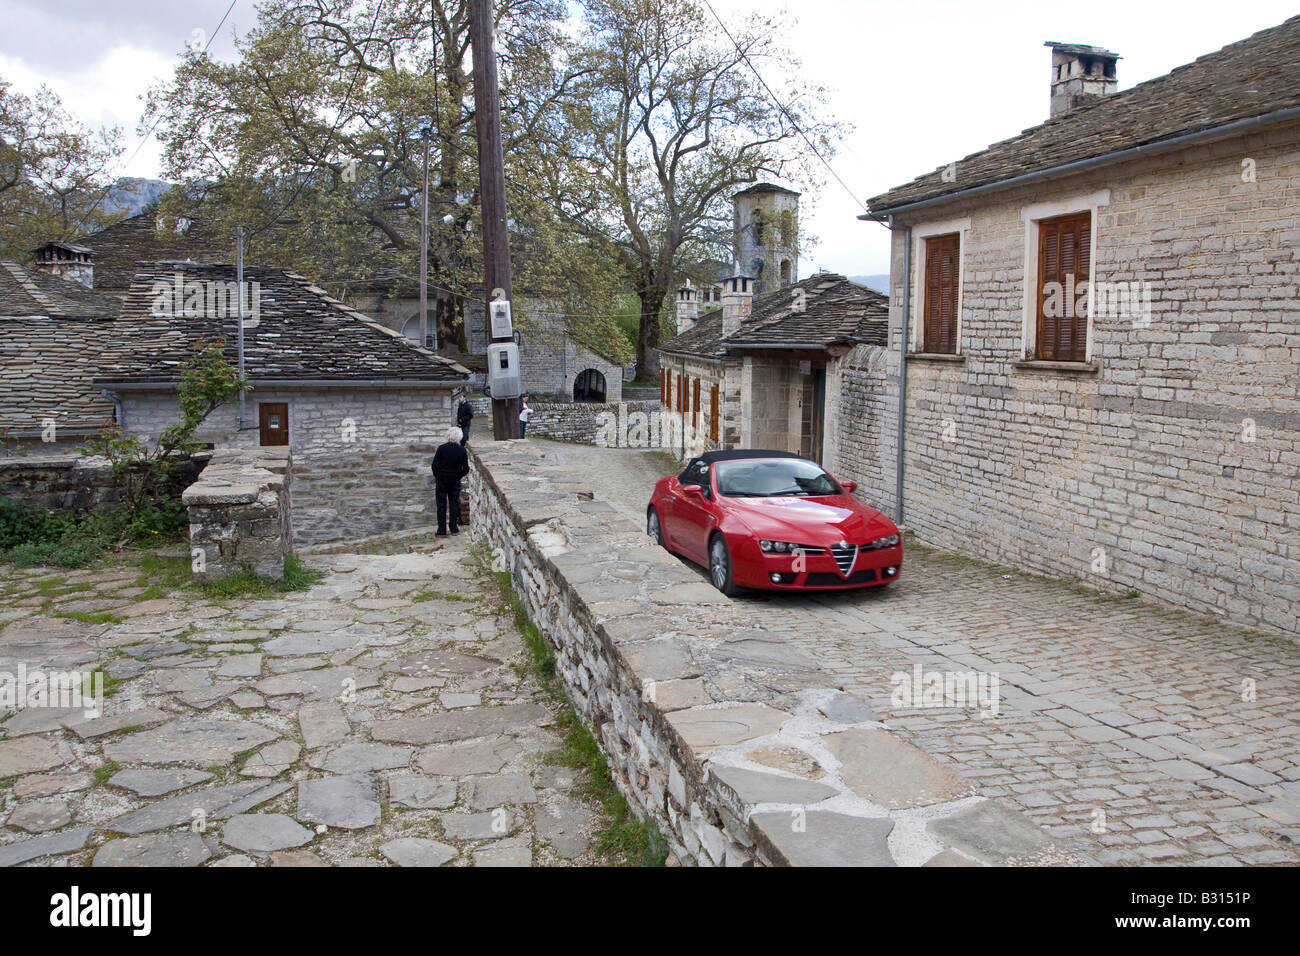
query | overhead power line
(781,106)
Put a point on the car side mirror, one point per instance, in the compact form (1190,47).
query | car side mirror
(694,490)
(849,486)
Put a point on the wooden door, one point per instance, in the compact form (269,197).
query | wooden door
(273,423)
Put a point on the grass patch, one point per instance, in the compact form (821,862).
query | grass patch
(111,684)
(104,771)
(436,596)
(246,583)
(89,617)
(626,840)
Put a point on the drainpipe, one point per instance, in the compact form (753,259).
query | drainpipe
(902,365)
(119,415)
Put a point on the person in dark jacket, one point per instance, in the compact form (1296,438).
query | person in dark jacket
(450,465)
(464,415)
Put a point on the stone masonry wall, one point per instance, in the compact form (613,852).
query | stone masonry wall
(240,513)
(361,455)
(724,733)
(583,423)
(1169,468)
(60,484)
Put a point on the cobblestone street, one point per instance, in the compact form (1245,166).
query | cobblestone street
(385,716)
(1130,730)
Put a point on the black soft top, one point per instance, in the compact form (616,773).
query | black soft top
(709,457)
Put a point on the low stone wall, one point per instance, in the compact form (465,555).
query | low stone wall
(68,483)
(239,512)
(582,423)
(724,733)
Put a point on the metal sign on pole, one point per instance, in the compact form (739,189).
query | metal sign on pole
(496,238)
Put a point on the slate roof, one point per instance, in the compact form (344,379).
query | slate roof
(1250,78)
(52,332)
(834,311)
(301,333)
(25,292)
(121,247)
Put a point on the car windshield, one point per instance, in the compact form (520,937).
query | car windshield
(772,478)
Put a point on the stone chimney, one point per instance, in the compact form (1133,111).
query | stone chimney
(737,300)
(1080,75)
(69,262)
(688,307)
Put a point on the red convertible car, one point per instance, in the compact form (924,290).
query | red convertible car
(770,519)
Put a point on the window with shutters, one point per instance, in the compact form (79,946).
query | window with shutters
(942,283)
(663,386)
(695,404)
(713,413)
(1064,268)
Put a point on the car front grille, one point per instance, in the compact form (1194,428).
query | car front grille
(845,558)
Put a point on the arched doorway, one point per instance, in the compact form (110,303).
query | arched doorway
(589,386)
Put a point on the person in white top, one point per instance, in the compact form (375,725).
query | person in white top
(524,413)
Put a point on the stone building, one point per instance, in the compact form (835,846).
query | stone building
(361,407)
(1099,319)
(764,371)
(52,332)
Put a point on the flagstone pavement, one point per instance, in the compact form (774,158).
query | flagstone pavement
(385,717)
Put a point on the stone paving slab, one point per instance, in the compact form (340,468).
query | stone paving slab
(267,732)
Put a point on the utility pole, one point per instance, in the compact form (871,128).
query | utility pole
(492,190)
(424,246)
(239,316)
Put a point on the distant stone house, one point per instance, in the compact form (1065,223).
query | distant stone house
(52,332)
(765,371)
(1099,323)
(361,407)
(556,364)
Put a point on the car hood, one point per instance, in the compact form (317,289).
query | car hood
(820,521)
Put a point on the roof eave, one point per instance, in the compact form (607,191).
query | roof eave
(1222,131)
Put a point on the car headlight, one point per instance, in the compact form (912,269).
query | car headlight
(777,547)
(889,541)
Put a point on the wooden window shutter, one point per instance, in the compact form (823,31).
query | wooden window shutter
(939,318)
(713,413)
(1064,264)
(695,404)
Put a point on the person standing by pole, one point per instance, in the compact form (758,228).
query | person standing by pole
(525,413)
(464,416)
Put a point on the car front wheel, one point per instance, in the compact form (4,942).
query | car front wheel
(653,529)
(720,567)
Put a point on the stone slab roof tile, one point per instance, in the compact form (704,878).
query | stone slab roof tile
(299,332)
(823,310)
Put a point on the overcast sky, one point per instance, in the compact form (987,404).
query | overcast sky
(924,82)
